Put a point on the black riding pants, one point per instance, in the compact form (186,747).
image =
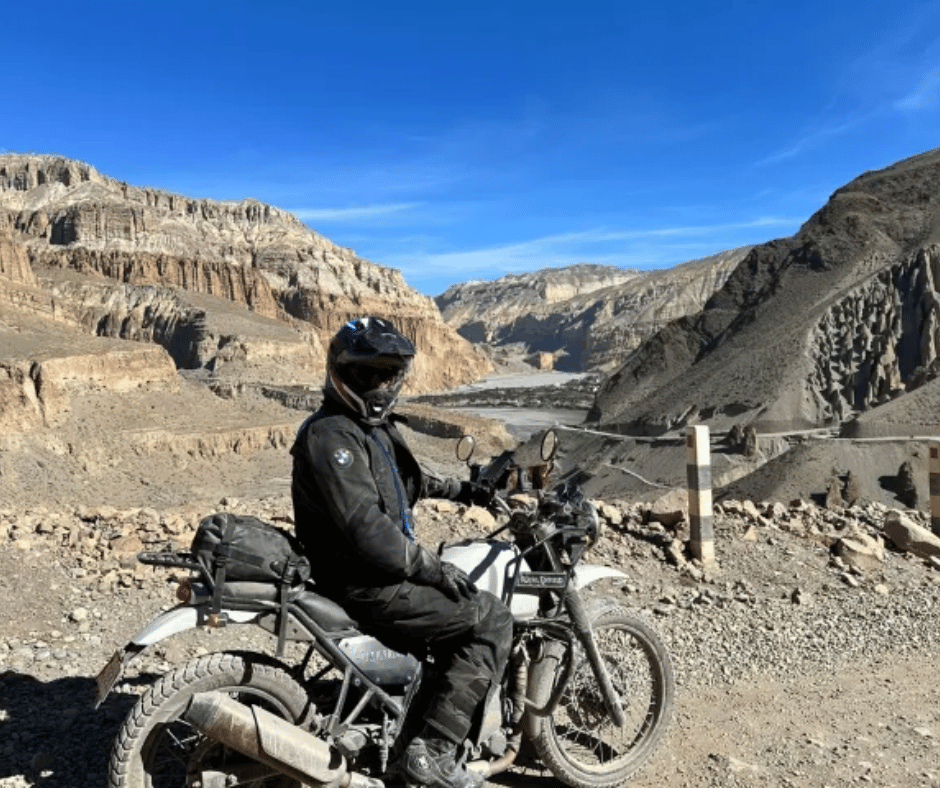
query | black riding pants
(469,640)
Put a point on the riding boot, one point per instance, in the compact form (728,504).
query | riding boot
(431,760)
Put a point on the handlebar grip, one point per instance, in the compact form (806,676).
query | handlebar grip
(180,560)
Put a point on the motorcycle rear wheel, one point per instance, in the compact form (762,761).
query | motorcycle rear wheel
(579,743)
(155,748)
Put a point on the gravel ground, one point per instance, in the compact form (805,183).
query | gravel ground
(792,668)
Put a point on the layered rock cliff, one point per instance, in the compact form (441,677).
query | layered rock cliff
(118,304)
(807,331)
(14,263)
(154,247)
(481,306)
(588,318)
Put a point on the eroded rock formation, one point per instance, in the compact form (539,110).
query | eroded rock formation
(870,344)
(71,220)
(807,331)
(14,263)
(588,317)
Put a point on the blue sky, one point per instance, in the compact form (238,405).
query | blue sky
(459,141)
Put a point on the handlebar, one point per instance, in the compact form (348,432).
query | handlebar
(562,514)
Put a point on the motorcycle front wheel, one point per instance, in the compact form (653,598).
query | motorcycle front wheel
(579,743)
(155,748)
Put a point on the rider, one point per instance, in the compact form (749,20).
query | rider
(354,483)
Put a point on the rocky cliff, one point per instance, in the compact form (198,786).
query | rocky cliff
(118,304)
(128,261)
(588,318)
(809,330)
(14,263)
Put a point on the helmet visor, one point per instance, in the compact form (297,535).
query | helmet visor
(363,378)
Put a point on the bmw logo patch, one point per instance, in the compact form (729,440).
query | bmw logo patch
(343,458)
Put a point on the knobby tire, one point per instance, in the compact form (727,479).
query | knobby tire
(579,743)
(156,749)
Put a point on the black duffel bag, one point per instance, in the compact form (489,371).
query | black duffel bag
(235,547)
(246,548)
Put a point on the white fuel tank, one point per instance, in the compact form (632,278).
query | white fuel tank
(490,565)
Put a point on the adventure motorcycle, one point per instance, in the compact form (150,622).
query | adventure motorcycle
(587,693)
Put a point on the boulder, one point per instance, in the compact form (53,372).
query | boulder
(834,498)
(125,548)
(751,447)
(860,551)
(851,493)
(909,537)
(675,553)
(480,517)
(609,512)
(905,486)
(670,509)
(751,511)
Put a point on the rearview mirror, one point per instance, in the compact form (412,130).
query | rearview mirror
(549,445)
(465,447)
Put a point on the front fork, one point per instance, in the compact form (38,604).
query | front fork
(581,625)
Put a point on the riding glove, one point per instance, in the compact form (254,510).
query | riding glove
(454,583)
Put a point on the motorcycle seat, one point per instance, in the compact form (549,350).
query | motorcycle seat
(266,596)
(327,613)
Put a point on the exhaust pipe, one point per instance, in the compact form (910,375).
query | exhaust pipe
(519,662)
(273,741)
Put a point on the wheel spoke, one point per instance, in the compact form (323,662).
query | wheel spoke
(178,747)
(171,754)
(589,728)
(580,743)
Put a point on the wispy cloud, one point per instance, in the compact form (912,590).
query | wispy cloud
(815,138)
(353,214)
(643,248)
(684,230)
(899,75)
(924,95)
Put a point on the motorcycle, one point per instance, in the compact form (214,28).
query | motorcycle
(587,694)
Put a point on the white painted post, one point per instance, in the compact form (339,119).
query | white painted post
(934,478)
(699,473)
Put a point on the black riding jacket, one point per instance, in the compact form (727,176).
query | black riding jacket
(353,487)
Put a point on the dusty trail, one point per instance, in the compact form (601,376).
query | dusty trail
(753,706)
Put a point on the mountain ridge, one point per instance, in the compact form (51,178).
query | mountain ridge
(586,317)
(71,219)
(809,330)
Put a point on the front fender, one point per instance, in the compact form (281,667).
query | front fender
(585,574)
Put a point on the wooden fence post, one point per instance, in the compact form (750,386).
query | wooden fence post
(699,473)
(934,479)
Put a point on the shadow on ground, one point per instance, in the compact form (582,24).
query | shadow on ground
(51,734)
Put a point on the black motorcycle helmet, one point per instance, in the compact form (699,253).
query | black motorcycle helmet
(366,366)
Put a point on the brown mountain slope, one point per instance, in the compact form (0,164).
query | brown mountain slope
(118,303)
(808,330)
